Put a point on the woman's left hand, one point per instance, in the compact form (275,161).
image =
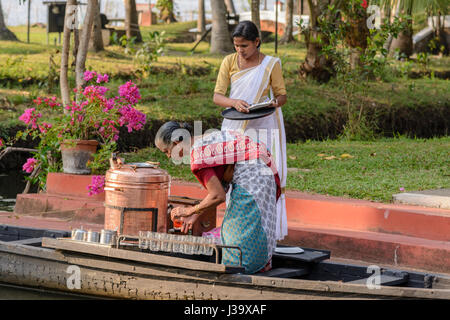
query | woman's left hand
(279,101)
(275,103)
(179,212)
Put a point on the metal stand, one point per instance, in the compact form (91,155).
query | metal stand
(124,209)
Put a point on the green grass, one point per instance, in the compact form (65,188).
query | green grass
(368,170)
(375,171)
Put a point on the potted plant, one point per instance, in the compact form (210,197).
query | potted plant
(80,137)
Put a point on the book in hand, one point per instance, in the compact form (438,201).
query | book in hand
(261,105)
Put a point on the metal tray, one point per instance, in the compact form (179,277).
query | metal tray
(233,114)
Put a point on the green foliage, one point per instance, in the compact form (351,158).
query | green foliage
(354,73)
(165,5)
(100,162)
(150,51)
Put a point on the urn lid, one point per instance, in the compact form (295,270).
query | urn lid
(137,173)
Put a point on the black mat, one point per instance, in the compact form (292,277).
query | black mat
(233,114)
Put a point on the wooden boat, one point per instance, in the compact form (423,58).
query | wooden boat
(49,259)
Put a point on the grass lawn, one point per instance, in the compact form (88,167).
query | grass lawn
(372,170)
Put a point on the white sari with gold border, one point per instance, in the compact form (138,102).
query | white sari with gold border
(249,85)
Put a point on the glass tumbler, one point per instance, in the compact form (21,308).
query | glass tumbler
(143,244)
(154,244)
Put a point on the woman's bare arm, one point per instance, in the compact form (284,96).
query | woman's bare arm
(222,101)
(216,195)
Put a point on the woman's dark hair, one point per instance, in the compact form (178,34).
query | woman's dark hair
(166,135)
(247,30)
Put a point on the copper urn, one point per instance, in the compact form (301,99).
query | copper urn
(136,199)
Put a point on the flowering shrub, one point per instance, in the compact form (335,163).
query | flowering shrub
(97,185)
(28,167)
(95,115)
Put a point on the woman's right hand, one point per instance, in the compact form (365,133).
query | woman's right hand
(188,222)
(240,105)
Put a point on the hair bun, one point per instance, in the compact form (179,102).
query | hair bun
(186,126)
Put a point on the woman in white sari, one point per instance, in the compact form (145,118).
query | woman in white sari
(254,77)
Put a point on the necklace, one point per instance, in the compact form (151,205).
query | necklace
(240,63)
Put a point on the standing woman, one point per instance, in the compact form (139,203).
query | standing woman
(254,77)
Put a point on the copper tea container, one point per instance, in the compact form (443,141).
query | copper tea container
(136,187)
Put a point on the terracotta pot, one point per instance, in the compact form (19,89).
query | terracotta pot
(76,154)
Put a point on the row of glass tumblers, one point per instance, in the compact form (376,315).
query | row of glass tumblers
(157,241)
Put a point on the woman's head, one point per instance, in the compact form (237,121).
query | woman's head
(170,134)
(246,38)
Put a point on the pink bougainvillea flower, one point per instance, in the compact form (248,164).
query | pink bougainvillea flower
(89,75)
(102,78)
(97,185)
(44,127)
(51,102)
(109,104)
(1,143)
(132,118)
(28,167)
(130,92)
(364,4)
(402,189)
(30,116)
(38,101)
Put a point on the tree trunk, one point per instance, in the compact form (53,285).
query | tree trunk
(316,66)
(166,12)
(230,7)
(69,25)
(289,28)
(220,37)
(441,35)
(201,20)
(255,14)
(391,13)
(131,21)
(97,37)
(404,43)
(5,33)
(84,44)
(76,44)
(356,34)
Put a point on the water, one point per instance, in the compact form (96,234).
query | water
(16,14)
(11,183)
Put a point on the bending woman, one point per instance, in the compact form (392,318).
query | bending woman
(254,77)
(218,160)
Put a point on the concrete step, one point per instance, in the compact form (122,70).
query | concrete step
(375,248)
(60,206)
(439,198)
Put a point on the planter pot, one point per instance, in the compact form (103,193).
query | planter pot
(76,154)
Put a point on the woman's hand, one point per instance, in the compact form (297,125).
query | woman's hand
(275,103)
(179,212)
(279,101)
(188,222)
(240,105)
